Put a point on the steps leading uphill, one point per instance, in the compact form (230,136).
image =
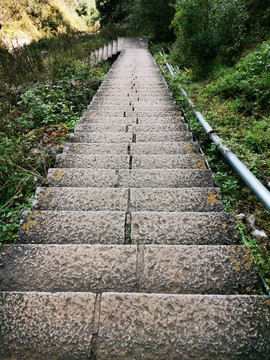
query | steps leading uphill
(127,253)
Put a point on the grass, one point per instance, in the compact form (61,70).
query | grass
(42,99)
(235,101)
(35,19)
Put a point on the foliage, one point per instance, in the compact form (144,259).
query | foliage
(248,81)
(133,18)
(207,29)
(25,20)
(246,133)
(32,107)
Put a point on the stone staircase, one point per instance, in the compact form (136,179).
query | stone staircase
(127,253)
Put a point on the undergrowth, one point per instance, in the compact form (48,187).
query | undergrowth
(235,101)
(45,88)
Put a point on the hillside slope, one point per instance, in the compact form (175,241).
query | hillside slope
(24,20)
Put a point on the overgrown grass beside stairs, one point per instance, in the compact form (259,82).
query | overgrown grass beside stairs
(236,102)
(45,88)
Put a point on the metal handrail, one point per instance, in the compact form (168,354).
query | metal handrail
(246,175)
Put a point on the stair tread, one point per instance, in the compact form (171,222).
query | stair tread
(100,268)
(156,178)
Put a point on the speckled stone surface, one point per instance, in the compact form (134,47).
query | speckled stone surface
(106,137)
(158,128)
(75,177)
(168,178)
(143,326)
(198,270)
(160,148)
(46,326)
(185,199)
(76,268)
(168,162)
(84,199)
(163,136)
(84,148)
(130,227)
(110,161)
(183,228)
(107,127)
(72,227)
(100,120)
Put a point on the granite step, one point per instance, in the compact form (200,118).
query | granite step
(183,228)
(110,161)
(169,178)
(126,268)
(81,199)
(167,148)
(105,137)
(113,161)
(72,227)
(125,326)
(127,113)
(115,127)
(155,178)
(168,162)
(183,327)
(176,199)
(164,136)
(116,199)
(96,149)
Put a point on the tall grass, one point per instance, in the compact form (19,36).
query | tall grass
(44,89)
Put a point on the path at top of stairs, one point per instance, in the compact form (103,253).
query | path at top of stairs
(127,252)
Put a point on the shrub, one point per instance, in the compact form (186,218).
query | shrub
(206,29)
(249,81)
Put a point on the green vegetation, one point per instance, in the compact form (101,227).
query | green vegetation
(24,20)
(235,101)
(140,17)
(42,98)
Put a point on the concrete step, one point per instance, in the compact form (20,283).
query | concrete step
(135,108)
(115,127)
(127,113)
(113,161)
(155,178)
(177,199)
(129,325)
(101,128)
(100,120)
(150,269)
(160,148)
(110,161)
(72,227)
(154,128)
(106,137)
(46,326)
(183,327)
(168,178)
(164,136)
(111,97)
(168,162)
(96,149)
(73,177)
(178,228)
(81,199)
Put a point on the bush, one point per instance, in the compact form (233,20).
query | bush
(249,81)
(207,29)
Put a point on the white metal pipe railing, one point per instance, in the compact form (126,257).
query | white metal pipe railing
(246,175)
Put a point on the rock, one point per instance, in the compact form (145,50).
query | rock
(241,216)
(94,85)
(259,234)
